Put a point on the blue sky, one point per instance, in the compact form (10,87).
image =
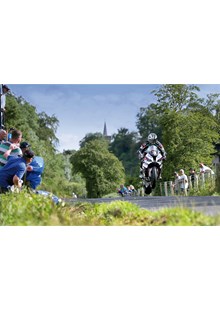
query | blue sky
(82,109)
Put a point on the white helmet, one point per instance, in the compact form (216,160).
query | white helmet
(152,138)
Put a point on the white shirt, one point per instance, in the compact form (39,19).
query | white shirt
(183,181)
(205,169)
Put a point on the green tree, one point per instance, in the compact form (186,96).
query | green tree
(149,121)
(90,137)
(40,131)
(188,126)
(124,146)
(102,171)
(47,128)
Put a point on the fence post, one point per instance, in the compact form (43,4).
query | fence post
(171,188)
(202,180)
(196,182)
(161,189)
(165,188)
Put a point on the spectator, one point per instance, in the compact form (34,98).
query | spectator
(24,146)
(3,135)
(3,92)
(205,169)
(10,133)
(123,190)
(183,181)
(193,176)
(33,178)
(12,173)
(74,195)
(176,183)
(10,148)
(34,172)
(132,189)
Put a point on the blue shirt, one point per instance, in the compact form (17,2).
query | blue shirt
(15,166)
(34,176)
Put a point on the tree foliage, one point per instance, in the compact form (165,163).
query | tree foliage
(187,125)
(124,146)
(39,129)
(102,171)
(90,137)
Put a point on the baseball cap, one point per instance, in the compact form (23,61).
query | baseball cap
(28,154)
(23,145)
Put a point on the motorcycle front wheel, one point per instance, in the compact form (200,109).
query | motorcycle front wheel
(148,190)
(154,176)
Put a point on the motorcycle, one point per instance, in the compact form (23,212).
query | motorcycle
(151,167)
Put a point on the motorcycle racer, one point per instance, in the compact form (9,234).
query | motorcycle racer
(151,140)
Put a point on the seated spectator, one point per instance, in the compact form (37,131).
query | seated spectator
(13,171)
(123,190)
(132,189)
(10,148)
(33,175)
(24,146)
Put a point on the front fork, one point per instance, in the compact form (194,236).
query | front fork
(145,171)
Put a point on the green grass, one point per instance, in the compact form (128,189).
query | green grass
(25,209)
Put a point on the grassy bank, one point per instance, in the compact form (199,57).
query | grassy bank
(25,209)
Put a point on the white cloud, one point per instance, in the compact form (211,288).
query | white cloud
(68,141)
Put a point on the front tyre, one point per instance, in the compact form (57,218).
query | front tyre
(147,190)
(154,176)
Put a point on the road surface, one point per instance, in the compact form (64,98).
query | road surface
(209,205)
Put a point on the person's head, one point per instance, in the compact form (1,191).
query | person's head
(152,138)
(5,89)
(192,170)
(181,171)
(3,134)
(16,136)
(201,165)
(28,155)
(24,146)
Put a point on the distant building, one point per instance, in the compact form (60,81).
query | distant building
(105,134)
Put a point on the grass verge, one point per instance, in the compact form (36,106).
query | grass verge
(25,209)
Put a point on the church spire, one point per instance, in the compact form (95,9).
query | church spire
(105,130)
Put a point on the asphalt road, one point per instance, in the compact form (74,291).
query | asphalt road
(210,205)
